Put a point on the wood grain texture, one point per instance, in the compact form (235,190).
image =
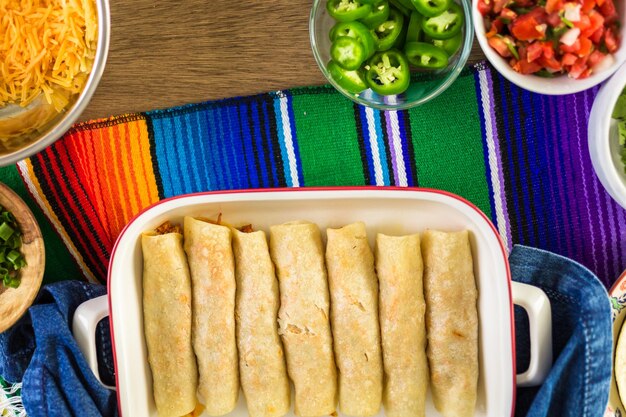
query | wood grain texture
(166,53)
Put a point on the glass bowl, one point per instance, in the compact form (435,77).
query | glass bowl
(425,85)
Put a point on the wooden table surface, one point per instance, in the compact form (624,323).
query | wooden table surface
(165,53)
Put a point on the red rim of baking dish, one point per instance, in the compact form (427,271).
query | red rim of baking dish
(332,189)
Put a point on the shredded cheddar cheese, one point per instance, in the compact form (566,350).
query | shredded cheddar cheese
(46,47)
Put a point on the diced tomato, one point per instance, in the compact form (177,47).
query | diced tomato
(554,5)
(574,48)
(569,59)
(597,36)
(525,67)
(534,51)
(595,58)
(586,46)
(596,22)
(579,67)
(600,2)
(498,5)
(607,8)
(550,63)
(530,26)
(548,49)
(588,6)
(610,40)
(500,46)
(484,6)
(524,3)
(584,23)
(508,14)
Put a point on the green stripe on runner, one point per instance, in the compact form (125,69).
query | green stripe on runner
(327,139)
(59,263)
(447,130)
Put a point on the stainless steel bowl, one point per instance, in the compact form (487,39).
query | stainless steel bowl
(60,124)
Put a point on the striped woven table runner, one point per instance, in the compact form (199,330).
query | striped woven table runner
(520,157)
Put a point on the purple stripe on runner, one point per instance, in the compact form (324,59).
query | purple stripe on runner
(588,176)
(613,235)
(392,148)
(604,222)
(496,141)
(567,182)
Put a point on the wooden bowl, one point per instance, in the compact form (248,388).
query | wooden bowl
(15,301)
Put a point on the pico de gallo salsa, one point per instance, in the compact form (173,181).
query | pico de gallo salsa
(553,37)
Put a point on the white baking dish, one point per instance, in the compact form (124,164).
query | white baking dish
(387,210)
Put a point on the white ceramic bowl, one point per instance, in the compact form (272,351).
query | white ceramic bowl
(393,211)
(551,86)
(34,142)
(604,145)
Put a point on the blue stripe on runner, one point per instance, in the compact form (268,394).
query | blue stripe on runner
(234,150)
(190,177)
(367,144)
(382,149)
(248,146)
(162,144)
(207,166)
(281,140)
(195,144)
(218,145)
(553,220)
(268,115)
(258,144)
(532,168)
(294,139)
(523,162)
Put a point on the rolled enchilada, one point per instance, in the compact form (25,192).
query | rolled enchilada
(211,263)
(261,360)
(402,326)
(167,323)
(296,249)
(451,321)
(354,318)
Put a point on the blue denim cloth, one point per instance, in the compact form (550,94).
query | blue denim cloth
(40,351)
(578,384)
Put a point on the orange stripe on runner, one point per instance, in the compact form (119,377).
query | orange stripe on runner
(140,152)
(107,192)
(130,179)
(119,196)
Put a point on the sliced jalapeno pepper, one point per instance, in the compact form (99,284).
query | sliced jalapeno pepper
(451,46)
(414,29)
(348,52)
(386,34)
(356,30)
(347,10)
(446,25)
(370,2)
(388,73)
(431,8)
(426,55)
(379,13)
(352,81)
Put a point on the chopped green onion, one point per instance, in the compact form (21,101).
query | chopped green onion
(11,259)
(6,231)
(567,22)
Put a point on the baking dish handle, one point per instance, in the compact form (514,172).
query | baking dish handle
(537,306)
(86,319)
